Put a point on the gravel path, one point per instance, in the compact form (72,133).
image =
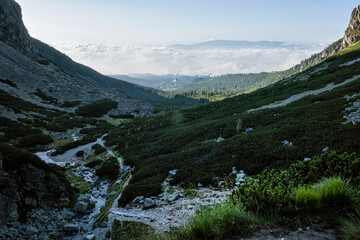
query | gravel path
(296,97)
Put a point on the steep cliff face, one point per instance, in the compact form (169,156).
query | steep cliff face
(12,28)
(352,33)
(26,183)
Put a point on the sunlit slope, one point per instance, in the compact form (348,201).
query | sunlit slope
(185,139)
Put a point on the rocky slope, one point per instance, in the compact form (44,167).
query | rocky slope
(28,183)
(352,33)
(12,29)
(30,65)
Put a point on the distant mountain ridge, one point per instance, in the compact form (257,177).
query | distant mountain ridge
(241,83)
(234,44)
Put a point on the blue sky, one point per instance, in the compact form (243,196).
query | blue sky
(182,21)
(135,36)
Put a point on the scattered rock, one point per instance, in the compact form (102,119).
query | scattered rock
(286,142)
(219,139)
(71,228)
(173,172)
(149,203)
(81,207)
(90,237)
(138,199)
(325,149)
(173,197)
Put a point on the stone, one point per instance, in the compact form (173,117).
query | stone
(199,184)
(149,203)
(71,228)
(125,169)
(307,159)
(13,216)
(83,197)
(234,171)
(138,199)
(90,237)
(173,197)
(220,139)
(127,206)
(80,207)
(30,230)
(247,130)
(325,149)
(173,172)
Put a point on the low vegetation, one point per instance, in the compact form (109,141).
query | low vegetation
(97,109)
(185,140)
(109,169)
(130,230)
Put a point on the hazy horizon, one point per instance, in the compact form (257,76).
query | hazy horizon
(122,37)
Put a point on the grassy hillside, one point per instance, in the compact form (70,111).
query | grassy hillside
(185,139)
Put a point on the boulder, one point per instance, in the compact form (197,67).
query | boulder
(90,237)
(173,172)
(173,197)
(126,169)
(30,230)
(138,199)
(71,228)
(149,203)
(81,207)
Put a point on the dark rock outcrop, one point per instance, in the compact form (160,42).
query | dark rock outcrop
(352,33)
(12,28)
(27,183)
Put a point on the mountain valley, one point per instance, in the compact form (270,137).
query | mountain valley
(239,156)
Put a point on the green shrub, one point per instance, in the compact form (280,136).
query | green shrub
(94,163)
(97,109)
(190,193)
(129,230)
(330,195)
(218,223)
(98,149)
(35,139)
(45,97)
(13,158)
(274,190)
(350,227)
(333,193)
(109,169)
(70,104)
(8,82)
(307,198)
(80,153)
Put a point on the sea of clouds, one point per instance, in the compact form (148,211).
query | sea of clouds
(111,59)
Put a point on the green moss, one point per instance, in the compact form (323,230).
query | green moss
(78,182)
(130,230)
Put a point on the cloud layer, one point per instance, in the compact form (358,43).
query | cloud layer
(125,59)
